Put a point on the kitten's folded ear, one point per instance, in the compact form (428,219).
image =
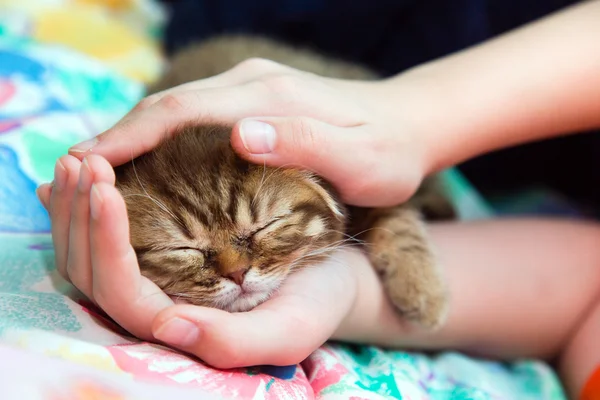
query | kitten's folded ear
(327,192)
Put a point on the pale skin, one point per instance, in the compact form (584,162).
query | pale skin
(519,287)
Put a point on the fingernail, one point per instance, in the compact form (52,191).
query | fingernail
(84,146)
(60,176)
(258,137)
(85,177)
(178,332)
(95,202)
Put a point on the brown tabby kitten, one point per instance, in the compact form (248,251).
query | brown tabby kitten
(218,231)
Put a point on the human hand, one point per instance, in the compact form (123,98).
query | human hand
(360,136)
(91,239)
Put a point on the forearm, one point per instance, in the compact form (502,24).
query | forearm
(509,282)
(536,82)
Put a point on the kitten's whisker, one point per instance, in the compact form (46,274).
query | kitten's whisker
(304,260)
(150,295)
(184,295)
(320,251)
(376,228)
(361,241)
(341,241)
(158,203)
(349,237)
(262,181)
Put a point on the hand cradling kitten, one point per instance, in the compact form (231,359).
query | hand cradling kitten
(215,230)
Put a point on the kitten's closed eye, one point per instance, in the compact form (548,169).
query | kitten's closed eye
(188,250)
(253,233)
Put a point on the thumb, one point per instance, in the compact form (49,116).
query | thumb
(232,340)
(338,154)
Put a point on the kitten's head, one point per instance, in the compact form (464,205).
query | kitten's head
(214,230)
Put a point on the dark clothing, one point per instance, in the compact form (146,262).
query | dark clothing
(387,35)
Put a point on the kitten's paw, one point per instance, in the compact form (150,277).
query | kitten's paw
(424,302)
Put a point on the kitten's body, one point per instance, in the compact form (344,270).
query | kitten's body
(219,231)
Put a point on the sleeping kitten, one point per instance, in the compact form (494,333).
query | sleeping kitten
(218,231)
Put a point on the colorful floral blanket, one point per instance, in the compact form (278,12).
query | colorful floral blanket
(54,345)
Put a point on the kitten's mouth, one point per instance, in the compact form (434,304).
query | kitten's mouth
(246,299)
(246,291)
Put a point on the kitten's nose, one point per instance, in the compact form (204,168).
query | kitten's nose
(238,275)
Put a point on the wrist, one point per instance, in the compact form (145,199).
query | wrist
(419,108)
(371,319)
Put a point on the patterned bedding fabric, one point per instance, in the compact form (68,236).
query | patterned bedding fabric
(120,33)
(55,345)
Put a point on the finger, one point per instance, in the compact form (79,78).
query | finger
(66,174)
(118,287)
(43,192)
(143,130)
(333,152)
(79,267)
(202,84)
(282,331)
(244,72)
